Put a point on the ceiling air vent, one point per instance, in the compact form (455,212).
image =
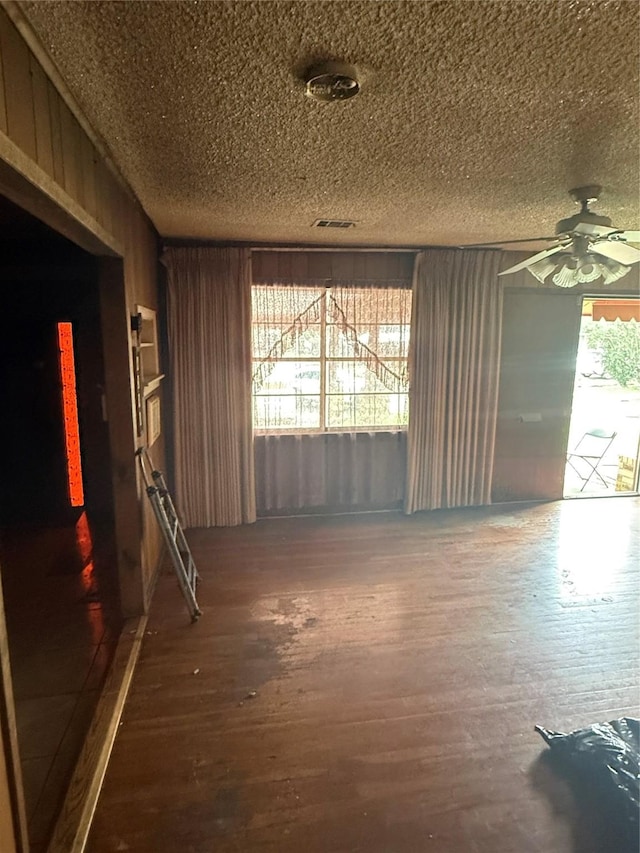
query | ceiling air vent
(333,223)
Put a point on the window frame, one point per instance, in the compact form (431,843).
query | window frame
(324,360)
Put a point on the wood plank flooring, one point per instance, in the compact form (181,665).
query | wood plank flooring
(371,683)
(63,623)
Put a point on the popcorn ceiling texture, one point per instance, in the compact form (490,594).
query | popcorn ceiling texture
(474,119)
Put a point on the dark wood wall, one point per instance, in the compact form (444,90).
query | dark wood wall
(540,337)
(52,166)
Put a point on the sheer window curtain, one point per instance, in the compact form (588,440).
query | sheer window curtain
(358,316)
(209,319)
(454,364)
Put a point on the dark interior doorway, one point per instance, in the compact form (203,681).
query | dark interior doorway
(59,574)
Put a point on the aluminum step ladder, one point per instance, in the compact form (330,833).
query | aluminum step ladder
(174,537)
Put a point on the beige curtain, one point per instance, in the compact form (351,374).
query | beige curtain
(329,471)
(454,362)
(209,318)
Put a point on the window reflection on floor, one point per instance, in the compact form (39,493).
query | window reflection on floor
(593,546)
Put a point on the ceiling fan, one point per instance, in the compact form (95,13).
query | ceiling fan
(586,247)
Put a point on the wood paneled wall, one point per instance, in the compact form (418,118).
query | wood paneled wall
(35,118)
(540,337)
(51,166)
(301,267)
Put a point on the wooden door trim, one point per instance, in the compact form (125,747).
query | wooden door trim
(116,340)
(74,822)
(24,183)
(10,755)
(27,185)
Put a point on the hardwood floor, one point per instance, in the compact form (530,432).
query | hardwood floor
(371,683)
(63,624)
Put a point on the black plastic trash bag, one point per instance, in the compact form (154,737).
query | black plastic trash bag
(606,758)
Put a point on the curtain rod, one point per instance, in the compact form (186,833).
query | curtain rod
(388,249)
(319,281)
(353,249)
(175,242)
(190,242)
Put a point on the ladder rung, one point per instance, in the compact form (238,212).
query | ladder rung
(167,518)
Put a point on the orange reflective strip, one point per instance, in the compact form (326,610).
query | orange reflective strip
(70,414)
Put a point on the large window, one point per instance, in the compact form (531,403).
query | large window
(330,358)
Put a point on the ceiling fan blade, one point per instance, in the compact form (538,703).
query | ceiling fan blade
(619,252)
(546,253)
(590,230)
(625,236)
(507,242)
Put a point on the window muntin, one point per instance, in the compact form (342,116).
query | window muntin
(330,358)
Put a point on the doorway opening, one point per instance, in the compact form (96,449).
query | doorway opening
(57,550)
(604,433)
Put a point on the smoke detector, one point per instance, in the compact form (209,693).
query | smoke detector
(331,81)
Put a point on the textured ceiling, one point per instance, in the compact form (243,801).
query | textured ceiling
(473,121)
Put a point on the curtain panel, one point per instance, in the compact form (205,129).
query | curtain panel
(330,471)
(454,360)
(209,320)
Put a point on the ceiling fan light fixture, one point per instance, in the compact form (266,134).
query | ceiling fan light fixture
(574,270)
(566,276)
(543,268)
(612,271)
(587,248)
(588,269)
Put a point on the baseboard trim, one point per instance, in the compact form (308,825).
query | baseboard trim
(74,822)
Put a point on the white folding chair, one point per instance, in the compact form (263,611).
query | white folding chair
(590,450)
